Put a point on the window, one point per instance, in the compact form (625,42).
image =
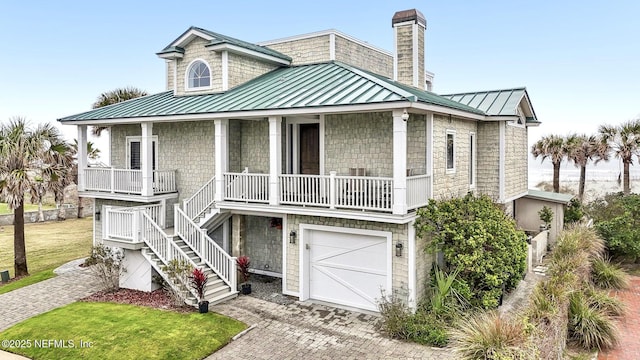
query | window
(199,75)
(134,153)
(472,159)
(451,151)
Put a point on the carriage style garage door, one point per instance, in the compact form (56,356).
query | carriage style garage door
(348,269)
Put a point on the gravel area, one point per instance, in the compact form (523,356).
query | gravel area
(270,289)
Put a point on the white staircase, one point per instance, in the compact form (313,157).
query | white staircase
(191,244)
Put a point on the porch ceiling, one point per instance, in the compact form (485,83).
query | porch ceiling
(330,84)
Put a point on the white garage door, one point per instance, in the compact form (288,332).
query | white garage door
(347,269)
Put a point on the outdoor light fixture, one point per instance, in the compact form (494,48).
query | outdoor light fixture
(292,237)
(97,215)
(405,115)
(399,247)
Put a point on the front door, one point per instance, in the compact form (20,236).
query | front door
(310,149)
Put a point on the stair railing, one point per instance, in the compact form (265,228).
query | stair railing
(223,264)
(199,202)
(163,246)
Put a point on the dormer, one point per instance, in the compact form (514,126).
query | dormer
(201,61)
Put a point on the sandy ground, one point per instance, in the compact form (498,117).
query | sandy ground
(593,189)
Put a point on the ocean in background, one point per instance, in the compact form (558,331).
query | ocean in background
(603,171)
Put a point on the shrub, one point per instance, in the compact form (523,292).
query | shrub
(589,326)
(573,213)
(475,235)
(422,327)
(243,263)
(445,298)
(106,265)
(198,281)
(606,275)
(617,220)
(178,273)
(546,215)
(490,335)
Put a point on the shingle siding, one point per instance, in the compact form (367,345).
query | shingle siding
(454,184)
(242,69)
(488,176)
(196,50)
(364,57)
(359,141)
(305,51)
(516,161)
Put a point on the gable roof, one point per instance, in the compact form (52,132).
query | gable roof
(217,39)
(497,102)
(304,86)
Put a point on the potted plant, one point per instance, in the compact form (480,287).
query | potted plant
(243,263)
(546,215)
(198,281)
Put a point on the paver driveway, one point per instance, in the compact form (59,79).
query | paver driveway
(312,331)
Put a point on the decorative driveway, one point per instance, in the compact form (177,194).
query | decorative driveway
(312,331)
(629,347)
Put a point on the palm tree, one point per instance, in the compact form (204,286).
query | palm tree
(114,97)
(552,147)
(93,153)
(581,149)
(624,142)
(24,153)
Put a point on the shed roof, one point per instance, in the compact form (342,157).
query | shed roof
(549,196)
(304,86)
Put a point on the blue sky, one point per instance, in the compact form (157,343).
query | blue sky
(578,59)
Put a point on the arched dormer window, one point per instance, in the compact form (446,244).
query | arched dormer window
(198,75)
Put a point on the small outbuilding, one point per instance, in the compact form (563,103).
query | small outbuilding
(527,208)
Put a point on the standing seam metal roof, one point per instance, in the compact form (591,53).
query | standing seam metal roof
(304,86)
(495,102)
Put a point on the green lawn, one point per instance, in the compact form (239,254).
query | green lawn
(26,281)
(49,244)
(4,208)
(117,331)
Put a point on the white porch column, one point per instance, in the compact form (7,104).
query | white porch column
(221,164)
(82,156)
(275,157)
(146,161)
(399,163)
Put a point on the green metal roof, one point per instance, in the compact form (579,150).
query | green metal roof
(495,102)
(304,86)
(549,196)
(220,39)
(171,49)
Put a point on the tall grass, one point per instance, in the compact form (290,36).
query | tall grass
(607,275)
(589,326)
(489,335)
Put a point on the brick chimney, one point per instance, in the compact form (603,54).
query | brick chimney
(408,62)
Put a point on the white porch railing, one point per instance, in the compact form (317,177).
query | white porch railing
(127,181)
(364,192)
(211,254)
(123,223)
(418,190)
(246,187)
(199,202)
(304,190)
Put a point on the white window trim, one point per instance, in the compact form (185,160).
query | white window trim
(474,159)
(186,76)
(131,139)
(446,165)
